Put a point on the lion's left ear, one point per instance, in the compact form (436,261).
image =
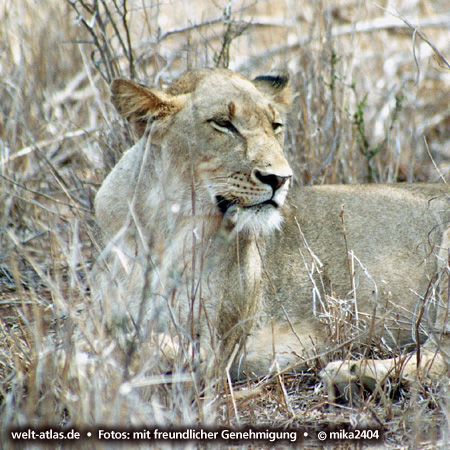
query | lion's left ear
(141,105)
(277,87)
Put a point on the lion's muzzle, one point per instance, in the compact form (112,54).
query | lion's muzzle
(259,189)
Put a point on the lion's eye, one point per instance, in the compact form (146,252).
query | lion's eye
(223,125)
(277,127)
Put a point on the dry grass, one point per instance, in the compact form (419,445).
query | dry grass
(371,104)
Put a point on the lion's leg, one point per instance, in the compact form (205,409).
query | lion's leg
(372,373)
(277,347)
(430,361)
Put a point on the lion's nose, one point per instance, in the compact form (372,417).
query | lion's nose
(275,181)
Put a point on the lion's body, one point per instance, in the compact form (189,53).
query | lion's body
(386,259)
(201,242)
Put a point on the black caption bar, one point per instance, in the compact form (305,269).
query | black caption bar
(288,436)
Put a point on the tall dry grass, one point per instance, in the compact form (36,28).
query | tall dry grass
(371,105)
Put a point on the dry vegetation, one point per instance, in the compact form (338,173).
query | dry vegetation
(371,105)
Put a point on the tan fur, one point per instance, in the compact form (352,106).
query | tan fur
(202,245)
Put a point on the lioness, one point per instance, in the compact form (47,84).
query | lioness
(208,240)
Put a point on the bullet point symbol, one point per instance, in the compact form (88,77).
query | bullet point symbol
(89,434)
(305,434)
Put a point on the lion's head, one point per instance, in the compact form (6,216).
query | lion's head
(215,133)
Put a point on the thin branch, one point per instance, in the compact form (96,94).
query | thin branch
(27,150)
(424,37)
(380,24)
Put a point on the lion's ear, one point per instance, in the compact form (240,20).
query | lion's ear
(276,86)
(140,104)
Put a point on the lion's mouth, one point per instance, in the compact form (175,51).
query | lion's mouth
(224,204)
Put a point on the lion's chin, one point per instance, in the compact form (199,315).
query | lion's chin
(258,219)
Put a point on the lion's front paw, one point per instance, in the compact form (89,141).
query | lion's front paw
(340,379)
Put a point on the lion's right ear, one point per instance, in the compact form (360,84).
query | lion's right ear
(140,104)
(277,87)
